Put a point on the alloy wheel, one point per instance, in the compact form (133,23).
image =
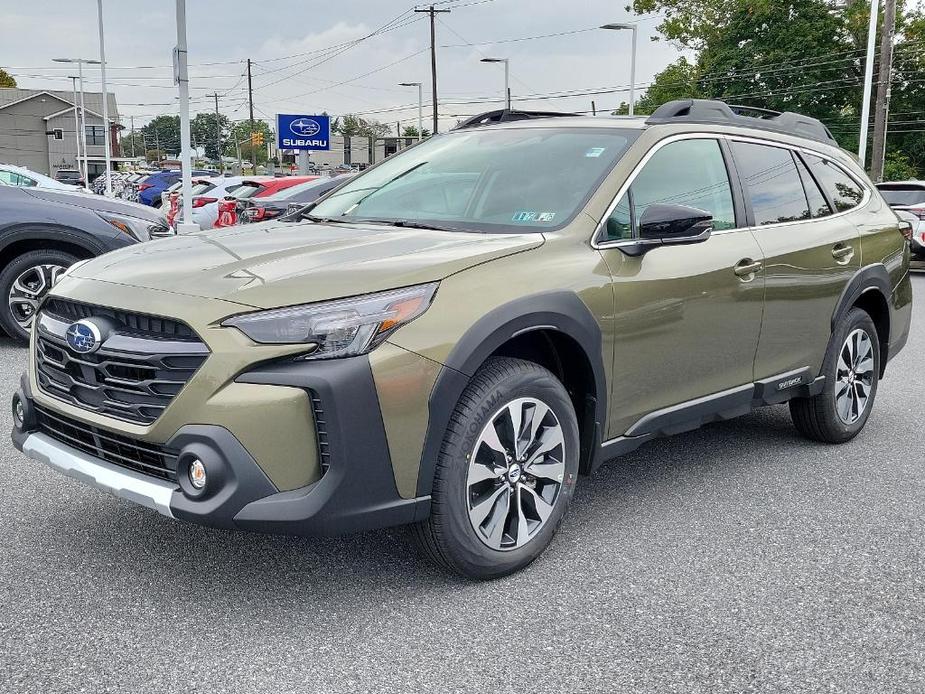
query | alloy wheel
(28,290)
(515,474)
(854,376)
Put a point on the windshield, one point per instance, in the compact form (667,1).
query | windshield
(244,191)
(906,195)
(504,179)
(202,187)
(298,189)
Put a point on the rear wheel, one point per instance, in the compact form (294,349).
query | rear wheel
(852,370)
(505,473)
(24,283)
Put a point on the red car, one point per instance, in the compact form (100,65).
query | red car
(257,187)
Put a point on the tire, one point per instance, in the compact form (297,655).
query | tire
(824,417)
(24,282)
(527,495)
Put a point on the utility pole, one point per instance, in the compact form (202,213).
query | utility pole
(433,56)
(76,123)
(186,152)
(131,120)
(250,101)
(218,135)
(882,107)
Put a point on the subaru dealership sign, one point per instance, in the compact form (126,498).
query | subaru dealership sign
(303,132)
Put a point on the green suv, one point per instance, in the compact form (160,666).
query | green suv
(450,339)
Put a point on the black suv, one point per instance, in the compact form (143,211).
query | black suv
(43,232)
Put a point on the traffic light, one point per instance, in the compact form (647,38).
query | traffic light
(257,139)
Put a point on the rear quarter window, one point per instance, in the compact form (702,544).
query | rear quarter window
(844,191)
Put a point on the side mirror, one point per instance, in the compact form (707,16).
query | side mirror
(675,224)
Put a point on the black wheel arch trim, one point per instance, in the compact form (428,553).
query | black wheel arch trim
(876,278)
(54,232)
(562,312)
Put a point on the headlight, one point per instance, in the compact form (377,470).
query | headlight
(341,328)
(137,228)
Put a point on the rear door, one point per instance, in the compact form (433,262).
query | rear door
(687,317)
(797,207)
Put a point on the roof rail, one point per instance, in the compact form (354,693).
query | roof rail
(712,111)
(506,115)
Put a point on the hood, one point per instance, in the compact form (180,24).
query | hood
(97,203)
(271,265)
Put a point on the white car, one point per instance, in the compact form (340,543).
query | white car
(205,205)
(908,197)
(20,176)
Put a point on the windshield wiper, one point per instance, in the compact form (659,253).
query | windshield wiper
(411,224)
(325,220)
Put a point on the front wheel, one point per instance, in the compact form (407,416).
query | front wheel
(852,370)
(24,283)
(505,473)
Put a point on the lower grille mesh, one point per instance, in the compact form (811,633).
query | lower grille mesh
(147,458)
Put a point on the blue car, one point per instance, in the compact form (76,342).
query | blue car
(149,190)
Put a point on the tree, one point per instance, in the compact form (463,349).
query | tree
(203,132)
(138,140)
(897,167)
(790,55)
(354,126)
(241,133)
(412,131)
(163,133)
(6,80)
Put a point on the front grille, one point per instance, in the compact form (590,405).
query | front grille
(148,458)
(135,323)
(321,432)
(132,377)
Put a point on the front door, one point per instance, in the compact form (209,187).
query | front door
(795,202)
(687,317)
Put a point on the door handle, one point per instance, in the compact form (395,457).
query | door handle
(745,268)
(842,252)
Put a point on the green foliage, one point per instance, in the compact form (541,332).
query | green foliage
(354,126)
(796,55)
(897,167)
(241,133)
(6,80)
(203,132)
(163,133)
(412,131)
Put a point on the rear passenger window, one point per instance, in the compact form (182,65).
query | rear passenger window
(818,206)
(771,182)
(687,172)
(842,189)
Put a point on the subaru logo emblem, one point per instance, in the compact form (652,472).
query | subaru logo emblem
(304,127)
(84,337)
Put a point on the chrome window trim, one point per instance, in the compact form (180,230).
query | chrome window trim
(599,228)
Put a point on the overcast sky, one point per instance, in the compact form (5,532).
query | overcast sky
(296,69)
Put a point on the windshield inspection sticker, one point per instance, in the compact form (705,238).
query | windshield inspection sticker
(524,216)
(595,152)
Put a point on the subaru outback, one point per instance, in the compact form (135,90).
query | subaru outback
(452,338)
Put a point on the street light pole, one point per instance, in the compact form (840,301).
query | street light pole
(420,87)
(186,154)
(82,135)
(106,134)
(507,75)
(634,29)
(74,79)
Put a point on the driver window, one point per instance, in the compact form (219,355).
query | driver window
(686,172)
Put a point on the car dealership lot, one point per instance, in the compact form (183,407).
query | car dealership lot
(740,557)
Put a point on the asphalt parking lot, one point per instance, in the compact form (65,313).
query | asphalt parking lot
(735,558)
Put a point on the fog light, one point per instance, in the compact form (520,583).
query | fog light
(19,413)
(197,474)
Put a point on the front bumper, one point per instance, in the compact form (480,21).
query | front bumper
(356,492)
